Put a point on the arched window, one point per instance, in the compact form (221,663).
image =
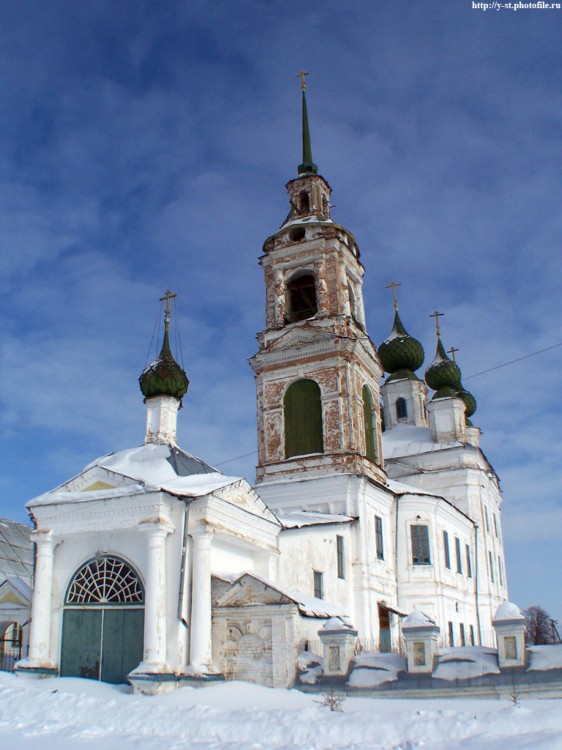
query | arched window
(401,408)
(105,580)
(303,419)
(301,291)
(369,420)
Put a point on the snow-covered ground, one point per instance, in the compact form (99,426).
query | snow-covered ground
(82,714)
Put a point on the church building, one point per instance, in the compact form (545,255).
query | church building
(373,498)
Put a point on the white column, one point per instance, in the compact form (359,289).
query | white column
(40,627)
(155,620)
(200,641)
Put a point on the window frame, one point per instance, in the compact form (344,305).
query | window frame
(379,538)
(422,542)
(340,556)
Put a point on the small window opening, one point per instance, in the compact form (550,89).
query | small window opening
(304,202)
(401,408)
(302,297)
(297,234)
(318,584)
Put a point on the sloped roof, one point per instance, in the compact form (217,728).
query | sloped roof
(16,549)
(152,466)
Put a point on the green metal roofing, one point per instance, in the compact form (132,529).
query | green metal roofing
(16,549)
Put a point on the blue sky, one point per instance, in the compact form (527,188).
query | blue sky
(145,145)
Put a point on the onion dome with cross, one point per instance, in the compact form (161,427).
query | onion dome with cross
(164,376)
(400,354)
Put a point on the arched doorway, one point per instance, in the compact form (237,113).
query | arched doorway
(103,621)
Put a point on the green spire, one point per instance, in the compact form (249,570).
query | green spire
(400,354)
(307,166)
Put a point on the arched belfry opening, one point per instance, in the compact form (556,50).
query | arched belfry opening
(304,202)
(303,419)
(103,621)
(301,297)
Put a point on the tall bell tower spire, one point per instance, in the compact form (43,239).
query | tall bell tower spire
(316,370)
(307,166)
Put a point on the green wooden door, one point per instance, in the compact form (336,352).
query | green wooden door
(122,644)
(81,638)
(102,644)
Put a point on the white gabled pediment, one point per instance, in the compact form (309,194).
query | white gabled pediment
(14,591)
(244,496)
(251,591)
(95,478)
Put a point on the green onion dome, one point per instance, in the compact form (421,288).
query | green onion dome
(400,353)
(469,401)
(443,372)
(164,377)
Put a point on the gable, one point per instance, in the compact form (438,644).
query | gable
(251,591)
(243,496)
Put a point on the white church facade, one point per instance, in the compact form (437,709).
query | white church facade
(371,501)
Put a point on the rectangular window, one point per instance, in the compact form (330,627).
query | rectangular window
(420,544)
(378,538)
(419,653)
(495,524)
(510,646)
(318,584)
(468,562)
(446,548)
(491,560)
(459,555)
(463,636)
(451,634)
(487,518)
(500,570)
(341,565)
(472,639)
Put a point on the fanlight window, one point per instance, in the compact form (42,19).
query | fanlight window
(105,580)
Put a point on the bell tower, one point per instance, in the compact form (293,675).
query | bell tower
(316,371)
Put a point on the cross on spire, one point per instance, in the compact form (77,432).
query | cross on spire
(452,351)
(437,315)
(302,75)
(393,285)
(167,296)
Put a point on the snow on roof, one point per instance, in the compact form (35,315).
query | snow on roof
(508,611)
(152,467)
(315,219)
(407,440)
(417,619)
(308,605)
(466,663)
(298,519)
(542,658)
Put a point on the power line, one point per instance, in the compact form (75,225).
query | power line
(474,375)
(512,361)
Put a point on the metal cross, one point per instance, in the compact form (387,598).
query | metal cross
(301,75)
(393,285)
(167,296)
(437,315)
(452,351)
